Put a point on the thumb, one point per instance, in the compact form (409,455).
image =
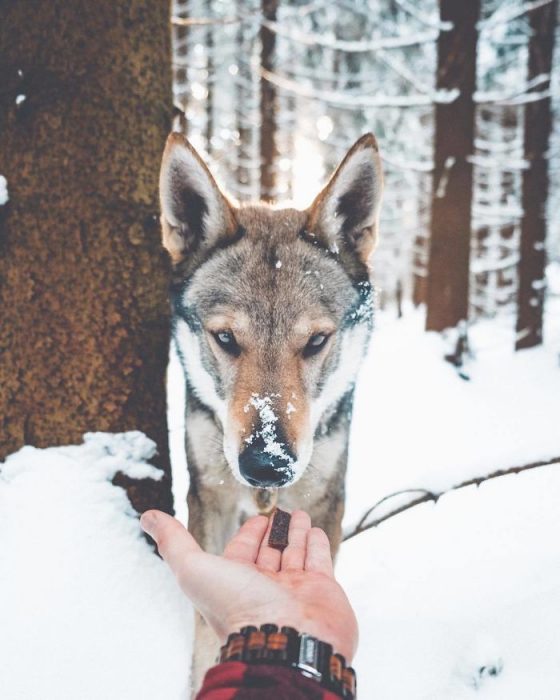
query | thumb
(174,542)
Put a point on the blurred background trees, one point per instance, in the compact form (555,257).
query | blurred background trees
(461,97)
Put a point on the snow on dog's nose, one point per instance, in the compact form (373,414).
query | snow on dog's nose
(265,463)
(267,459)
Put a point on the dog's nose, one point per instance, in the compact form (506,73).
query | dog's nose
(263,465)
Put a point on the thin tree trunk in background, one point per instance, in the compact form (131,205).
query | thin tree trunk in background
(538,124)
(419,290)
(448,267)
(269,151)
(242,109)
(210,82)
(83,297)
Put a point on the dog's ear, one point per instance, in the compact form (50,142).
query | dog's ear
(194,212)
(344,216)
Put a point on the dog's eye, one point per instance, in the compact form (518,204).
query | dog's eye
(315,344)
(226,340)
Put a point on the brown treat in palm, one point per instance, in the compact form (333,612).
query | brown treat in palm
(278,538)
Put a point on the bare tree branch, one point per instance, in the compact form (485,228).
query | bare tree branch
(424,17)
(352,101)
(425,496)
(209,21)
(296,13)
(504,14)
(363,46)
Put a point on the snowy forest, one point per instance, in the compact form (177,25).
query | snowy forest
(274,96)
(449,549)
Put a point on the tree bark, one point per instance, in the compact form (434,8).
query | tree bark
(448,269)
(538,124)
(269,150)
(83,296)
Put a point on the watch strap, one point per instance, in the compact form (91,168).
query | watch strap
(287,647)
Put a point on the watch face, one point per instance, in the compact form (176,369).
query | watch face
(308,659)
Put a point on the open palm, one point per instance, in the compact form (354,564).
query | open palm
(252,583)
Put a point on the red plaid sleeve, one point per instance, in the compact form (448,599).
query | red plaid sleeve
(234,680)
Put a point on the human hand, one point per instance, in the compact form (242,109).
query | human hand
(252,583)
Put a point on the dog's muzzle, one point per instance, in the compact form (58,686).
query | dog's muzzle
(260,466)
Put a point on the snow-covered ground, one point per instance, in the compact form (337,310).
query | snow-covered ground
(87,612)
(456,599)
(461,600)
(417,424)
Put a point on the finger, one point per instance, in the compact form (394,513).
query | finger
(174,542)
(293,557)
(318,557)
(244,545)
(268,558)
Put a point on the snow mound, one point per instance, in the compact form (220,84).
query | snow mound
(102,454)
(86,609)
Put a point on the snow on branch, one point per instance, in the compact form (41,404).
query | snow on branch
(415,497)
(366,79)
(404,72)
(297,13)
(305,10)
(529,97)
(497,213)
(506,147)
(352,101)
(492,162)
(519,95)
(316,39)
(420,166)
(4,198)
(212,21)
(423,17)
(479,266)
(391,162)
(503,14)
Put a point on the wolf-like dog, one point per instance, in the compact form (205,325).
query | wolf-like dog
(272,314)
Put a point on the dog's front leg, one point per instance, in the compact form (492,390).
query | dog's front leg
(326,509)
(330,520)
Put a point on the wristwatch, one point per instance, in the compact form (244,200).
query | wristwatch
(287,647)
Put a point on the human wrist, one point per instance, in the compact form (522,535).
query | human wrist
(342,643)
(339,630)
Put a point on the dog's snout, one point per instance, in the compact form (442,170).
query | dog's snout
(262,464)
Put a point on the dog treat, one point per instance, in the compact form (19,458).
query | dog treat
(278,538)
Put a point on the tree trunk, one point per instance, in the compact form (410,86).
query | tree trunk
(84,109)
(448,269)
(247,84)
(210,82)
(242,107)
(538,123)
(269,151)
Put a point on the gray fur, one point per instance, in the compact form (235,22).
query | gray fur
(275,269)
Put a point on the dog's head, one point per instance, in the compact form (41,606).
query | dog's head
(273,307)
